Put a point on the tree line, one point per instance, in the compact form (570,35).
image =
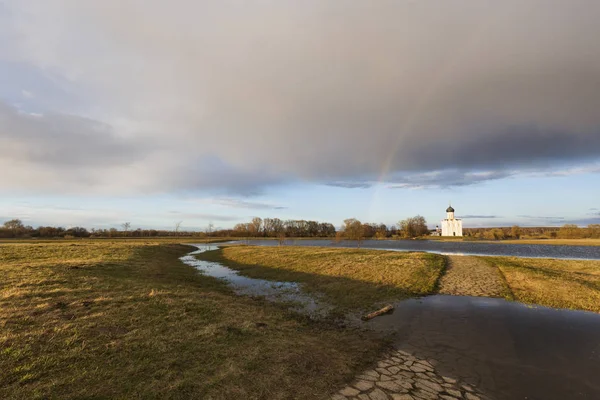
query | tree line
(352,229)
(16,229)
(567,231)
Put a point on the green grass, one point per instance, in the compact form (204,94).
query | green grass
(348,278)
(126,319)
(572,284)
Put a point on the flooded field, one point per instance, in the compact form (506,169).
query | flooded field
(506,349)
(465,248)
(284,292)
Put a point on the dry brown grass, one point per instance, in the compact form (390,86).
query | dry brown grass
(349,278)
(573,284)
(128,320)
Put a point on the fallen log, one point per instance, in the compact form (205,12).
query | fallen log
(377,313)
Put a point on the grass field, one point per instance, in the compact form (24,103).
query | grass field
(573,284)
(349,278)
(127,319)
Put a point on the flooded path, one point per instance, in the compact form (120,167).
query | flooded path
(459,347)
(283,292)
(471,276)
(507,350)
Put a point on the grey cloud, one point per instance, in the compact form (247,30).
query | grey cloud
(204,216)
(584,221)
(445,179)
(238,203)
(62,141)
(318,91)
(350,185)
(541,217)
(479,216)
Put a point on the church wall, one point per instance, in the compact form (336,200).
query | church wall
(450,227)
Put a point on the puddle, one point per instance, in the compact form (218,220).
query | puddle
(509,349)
(283,292)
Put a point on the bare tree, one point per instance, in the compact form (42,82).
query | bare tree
(256,226)
(413,227)
(126,226)
(209,230)
(14,224)
(177,227)
(515,232)
(281,237)
(354,230)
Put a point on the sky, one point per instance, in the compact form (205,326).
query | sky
(155,112)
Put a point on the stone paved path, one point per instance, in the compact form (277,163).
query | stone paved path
(401,376)
(470,276)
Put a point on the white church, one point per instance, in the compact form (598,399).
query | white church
(451,226)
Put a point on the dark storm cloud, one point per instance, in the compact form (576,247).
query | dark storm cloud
(445,179)
(236,98)
(518,146)
(62,141)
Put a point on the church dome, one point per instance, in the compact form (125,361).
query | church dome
(449,209)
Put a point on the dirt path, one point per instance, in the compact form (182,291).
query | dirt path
(469,276)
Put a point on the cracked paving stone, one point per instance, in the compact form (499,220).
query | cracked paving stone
(378,394)
(453,392)
(349,391)
(402,397)
(467,388)
(404,377)
(383,371)
(405,384)
(432,385)
(391,386)
(363,385)
(394,370)
(368,378)
(421,394)
(449,380)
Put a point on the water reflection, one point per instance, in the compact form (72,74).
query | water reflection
(458,248)
(273,291)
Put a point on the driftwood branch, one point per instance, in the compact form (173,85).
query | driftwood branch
(377,313)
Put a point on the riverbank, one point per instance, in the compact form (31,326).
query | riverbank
(117,319)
